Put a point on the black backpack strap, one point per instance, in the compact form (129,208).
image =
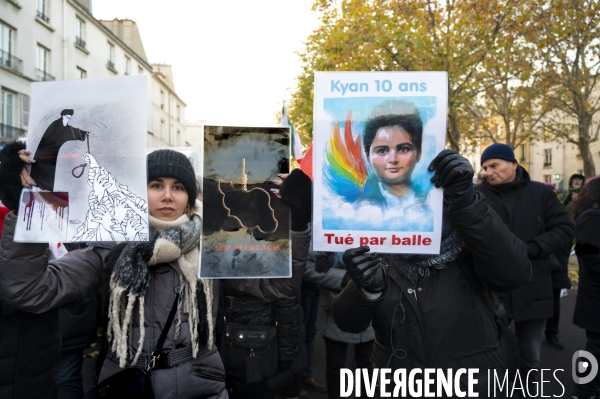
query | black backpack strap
(163,335)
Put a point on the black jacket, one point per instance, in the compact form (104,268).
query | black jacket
(442,320)
(533,213)
(588,254)
(285,313)
(560,276)
(31,290)
(267,302)
(78,323)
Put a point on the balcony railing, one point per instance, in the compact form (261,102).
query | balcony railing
(79,41)
(10,61)
(43,75)
(43,16)
(10,133)
(110,64)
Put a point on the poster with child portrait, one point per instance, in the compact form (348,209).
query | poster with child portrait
(375,134)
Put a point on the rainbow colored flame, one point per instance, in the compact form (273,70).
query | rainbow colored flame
(345,171)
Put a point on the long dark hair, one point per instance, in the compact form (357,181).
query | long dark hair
(589,198)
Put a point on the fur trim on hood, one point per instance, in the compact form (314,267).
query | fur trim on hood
(10,172)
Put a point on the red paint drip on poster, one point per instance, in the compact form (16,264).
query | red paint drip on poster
(30,205)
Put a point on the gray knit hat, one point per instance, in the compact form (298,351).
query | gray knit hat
(169,163)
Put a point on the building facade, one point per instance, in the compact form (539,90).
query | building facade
(557,160)
(45,40)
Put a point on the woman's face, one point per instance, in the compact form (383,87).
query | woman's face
(167,198)
(393,155)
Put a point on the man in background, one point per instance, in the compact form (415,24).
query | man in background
(534,214)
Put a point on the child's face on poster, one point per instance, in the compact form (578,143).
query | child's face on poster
(393,155)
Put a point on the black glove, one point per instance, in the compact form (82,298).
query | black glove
(323,263)
(365,269)
(296,191)
(533,250)
(345,280)
(10,172)
(453,173)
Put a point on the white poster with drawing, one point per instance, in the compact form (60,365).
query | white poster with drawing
(87,146)
(375,134)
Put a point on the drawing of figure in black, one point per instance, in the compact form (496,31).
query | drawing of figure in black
(58,133)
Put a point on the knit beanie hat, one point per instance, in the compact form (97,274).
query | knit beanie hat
(173,164)
(498,151)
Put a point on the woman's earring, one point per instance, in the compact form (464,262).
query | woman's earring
(189,210)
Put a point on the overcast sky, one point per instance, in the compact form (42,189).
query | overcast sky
(233,61)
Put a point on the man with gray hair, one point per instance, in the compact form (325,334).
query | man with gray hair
(533,213)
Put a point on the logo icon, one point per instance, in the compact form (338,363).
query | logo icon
(584,361)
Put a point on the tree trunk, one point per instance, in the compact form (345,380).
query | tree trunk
(589,169)
(453,132)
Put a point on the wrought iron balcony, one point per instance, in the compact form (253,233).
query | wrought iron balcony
(10,133)
(79,41)
(110,64)
(43,76)
(10,61)
(43,16)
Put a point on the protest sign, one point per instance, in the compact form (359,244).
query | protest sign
(375,134)
(87,144)
(246,228)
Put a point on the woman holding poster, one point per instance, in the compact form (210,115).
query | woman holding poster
(435,311)
(148,286)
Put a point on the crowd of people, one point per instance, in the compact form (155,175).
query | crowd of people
(503,260)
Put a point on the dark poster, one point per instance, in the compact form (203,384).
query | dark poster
(246,231)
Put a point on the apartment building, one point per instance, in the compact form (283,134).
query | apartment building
(45,40)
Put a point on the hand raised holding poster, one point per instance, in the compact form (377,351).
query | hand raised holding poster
(373,143)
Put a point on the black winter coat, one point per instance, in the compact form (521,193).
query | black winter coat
(442,321)
(269,302)
(78,324)
(533,213)
(29,348)
(560,277)
(588,254)
(285,314)
(31,290)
